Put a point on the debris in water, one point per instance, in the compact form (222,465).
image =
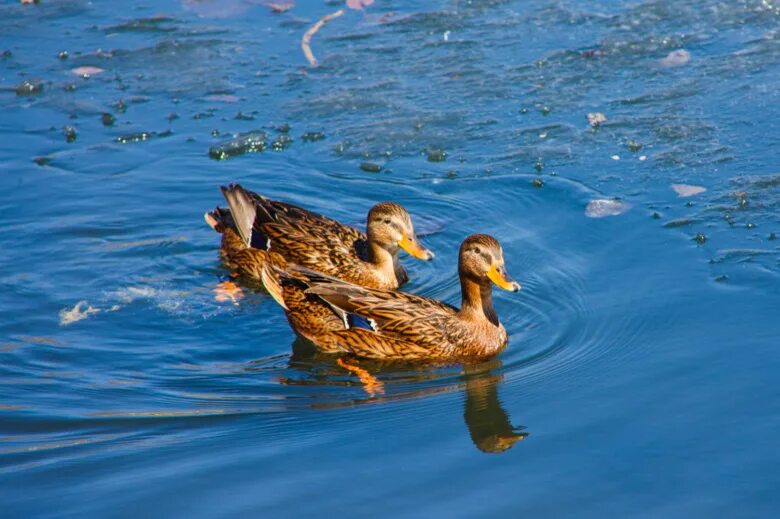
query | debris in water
(676,58)
(241,116)
(772,236)
(135,137)
(370,167)
(699,238)
(685,190)
(634,146)
(359,4)
(279,7)
(86,72)
(63,54)
(643,158)
(312,136)
(29,87)
(600,208)
(281,142)
(306,40)
(537,182)
(223,98)
(250,142)
(721,278)
(42,161)
(615,157)
(107,119)
(680,222)
(596,118)
(70,133)
(82,310)
(436,155)
(120,106)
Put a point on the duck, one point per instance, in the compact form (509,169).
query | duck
(340,317)
(253,223)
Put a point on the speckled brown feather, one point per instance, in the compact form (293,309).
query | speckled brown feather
(407,327)
(300,236)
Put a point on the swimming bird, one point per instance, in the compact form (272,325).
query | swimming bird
(255,223)
(344,318)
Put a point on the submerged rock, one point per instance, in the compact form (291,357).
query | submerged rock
(250,142)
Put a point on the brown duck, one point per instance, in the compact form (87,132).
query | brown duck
(340,317)
(254,224)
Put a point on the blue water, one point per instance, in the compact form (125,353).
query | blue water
(641,378)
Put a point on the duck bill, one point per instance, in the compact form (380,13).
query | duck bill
(502,280)
(413,247)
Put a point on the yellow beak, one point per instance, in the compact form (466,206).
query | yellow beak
(413,247)
(501,280)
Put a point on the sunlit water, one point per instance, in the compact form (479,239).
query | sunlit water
(642,372)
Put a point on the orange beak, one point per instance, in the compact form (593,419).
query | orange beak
(413,247)
(499,276)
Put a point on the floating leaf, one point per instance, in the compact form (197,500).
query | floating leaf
(279,7)
(86,71)
(223,98)
(685,190)
(359,4)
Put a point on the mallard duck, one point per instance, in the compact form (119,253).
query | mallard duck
(340,317)
(254,222)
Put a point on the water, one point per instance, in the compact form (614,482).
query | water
(641,375)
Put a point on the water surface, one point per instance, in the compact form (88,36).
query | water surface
(641,375)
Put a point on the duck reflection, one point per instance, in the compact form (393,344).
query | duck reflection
(488,423)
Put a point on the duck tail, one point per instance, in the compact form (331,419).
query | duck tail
(219,219)
(242,209)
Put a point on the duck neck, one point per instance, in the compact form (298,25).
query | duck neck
(381,258)
(477,301)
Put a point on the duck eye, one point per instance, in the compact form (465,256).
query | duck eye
(387,220)
(476,249)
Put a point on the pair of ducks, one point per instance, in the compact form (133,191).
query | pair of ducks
(338,286)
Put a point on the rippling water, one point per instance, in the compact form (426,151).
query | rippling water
(641,375)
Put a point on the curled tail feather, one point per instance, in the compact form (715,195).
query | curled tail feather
(242,209)
(271,276)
